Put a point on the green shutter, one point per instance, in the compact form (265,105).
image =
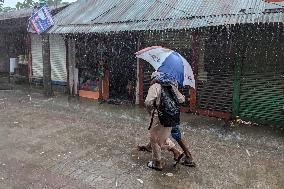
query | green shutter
(262,98)
(262,78)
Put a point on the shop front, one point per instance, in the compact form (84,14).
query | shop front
(57,59)
(261,69)
(94,81)
(15,51)
(106,67)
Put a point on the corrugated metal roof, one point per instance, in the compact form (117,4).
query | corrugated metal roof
(22,13)
(121,15)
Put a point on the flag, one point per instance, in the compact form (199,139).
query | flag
(41,20)
(30,28)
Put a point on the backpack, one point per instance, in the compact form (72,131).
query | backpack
(169,108)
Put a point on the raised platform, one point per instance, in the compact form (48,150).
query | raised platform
(89,94)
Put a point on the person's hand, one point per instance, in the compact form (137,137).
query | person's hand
(149,110)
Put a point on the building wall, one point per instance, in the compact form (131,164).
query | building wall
(4,58)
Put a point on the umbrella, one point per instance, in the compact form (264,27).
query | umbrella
(170,62)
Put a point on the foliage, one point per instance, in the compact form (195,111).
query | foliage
(5,9)
(54,2)
(1,7)
(25,4)
(32,3)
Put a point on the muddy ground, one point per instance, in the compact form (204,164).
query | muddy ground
(63,142)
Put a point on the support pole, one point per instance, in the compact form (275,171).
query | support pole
(141,84)
(195,59)
(240,49)
(71,67)
(137,100)
(47,84)
(237,86)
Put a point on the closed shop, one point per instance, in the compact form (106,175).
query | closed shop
(215,76)
(57,58)
(262,78)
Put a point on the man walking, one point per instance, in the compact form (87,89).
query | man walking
(159,83)
(161,92)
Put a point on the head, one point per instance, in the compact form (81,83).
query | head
(163,78)
(154,76)
(101,62)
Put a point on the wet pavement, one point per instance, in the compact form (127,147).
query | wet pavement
(63,142)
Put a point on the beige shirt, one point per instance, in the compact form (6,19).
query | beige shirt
(154,95)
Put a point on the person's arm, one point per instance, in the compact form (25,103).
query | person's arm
(180,97)
(151,97)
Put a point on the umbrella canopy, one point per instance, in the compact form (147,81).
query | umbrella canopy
(170,62)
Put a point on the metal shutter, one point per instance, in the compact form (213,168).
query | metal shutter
(262,98)
(262,80)
(36,42)
(215,76)
(57,57)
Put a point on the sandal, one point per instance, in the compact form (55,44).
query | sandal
(152,165)
(179,158)
(143,148)
(183,160)
(189,163)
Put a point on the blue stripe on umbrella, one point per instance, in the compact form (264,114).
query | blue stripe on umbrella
(173,66)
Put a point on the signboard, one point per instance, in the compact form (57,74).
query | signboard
(41,20)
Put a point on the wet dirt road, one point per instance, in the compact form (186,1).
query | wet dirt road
(61,143)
